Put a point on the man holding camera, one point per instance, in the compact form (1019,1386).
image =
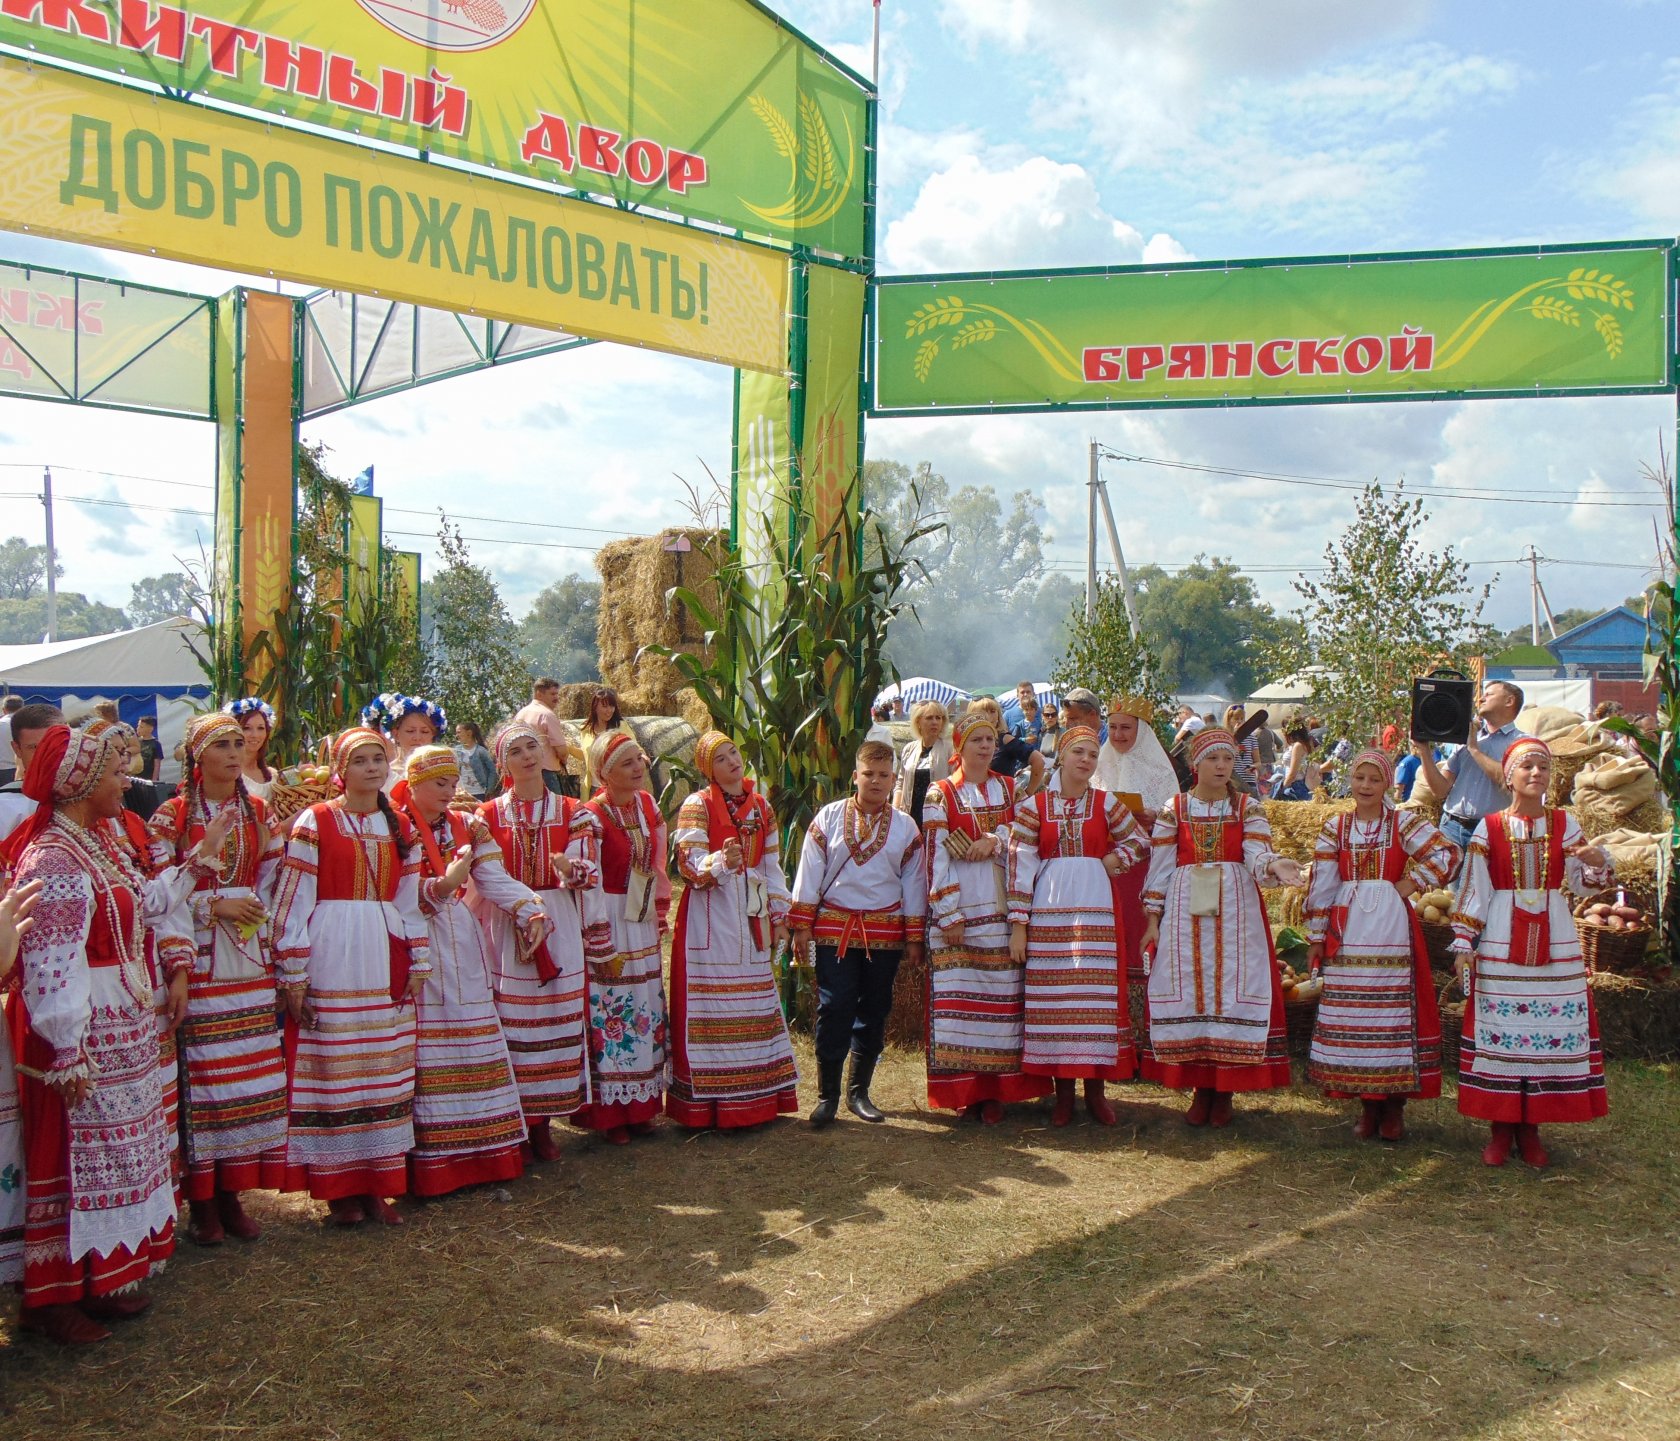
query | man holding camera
(1472,782)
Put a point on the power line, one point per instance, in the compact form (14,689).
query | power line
(1493,495)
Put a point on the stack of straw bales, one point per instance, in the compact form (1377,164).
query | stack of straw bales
(635,575)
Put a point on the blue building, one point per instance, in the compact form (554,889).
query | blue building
(1607,647)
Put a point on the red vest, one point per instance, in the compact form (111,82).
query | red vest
(1093,833)
(1230,832)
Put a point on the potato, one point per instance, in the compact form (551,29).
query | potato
(1432,913)
(1615,923)
(1627,913)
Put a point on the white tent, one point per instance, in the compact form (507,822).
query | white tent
(147,671)
(1294,689)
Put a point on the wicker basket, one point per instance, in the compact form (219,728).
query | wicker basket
(1299,1018)
(1437,940)
(286,801)
(1608,950)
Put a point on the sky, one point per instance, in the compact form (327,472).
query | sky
(1028,133)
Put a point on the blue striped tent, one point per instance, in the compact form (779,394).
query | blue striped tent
(916,689)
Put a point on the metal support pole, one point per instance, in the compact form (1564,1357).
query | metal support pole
(1119,555)
(52,556)
(1091,538)
(875,63)
(1533,597)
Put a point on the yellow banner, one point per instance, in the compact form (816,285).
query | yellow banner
(363,546)
(85,160)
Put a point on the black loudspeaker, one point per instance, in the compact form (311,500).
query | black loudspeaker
(1443,707)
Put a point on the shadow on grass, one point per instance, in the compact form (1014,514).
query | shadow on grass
(929,1278)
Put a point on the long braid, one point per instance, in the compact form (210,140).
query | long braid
(395,823)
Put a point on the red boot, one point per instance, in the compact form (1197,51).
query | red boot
(618,1135)
(542,1142)
(1530,1149)
(1393,1124)
(1219,1113)
(234,1220)
(1097,1104)
(383,1211)
(1370,1115)
(67,1325)
(206,1227)
(1498,1149)
(122,1307)
(1063,1111)
(991,1112)
(346,1211)
(1201,1104)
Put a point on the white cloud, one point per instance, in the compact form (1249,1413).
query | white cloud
(980,212)
(1645,178)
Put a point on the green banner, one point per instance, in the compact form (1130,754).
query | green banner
(713,111)
(833,392)
(103,342)
(762,475)
(362,545)
(1577,319)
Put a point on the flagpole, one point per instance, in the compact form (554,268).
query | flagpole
(875,70)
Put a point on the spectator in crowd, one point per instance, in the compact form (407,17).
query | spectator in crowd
(1605,709)
(925,761)
(604,718)
(1471,784)
(29,724)
(1293,784)
(1266,744)
(151,748)
(1080,707)
(12,704)
(1186,723)
(1031,728)
(478,766)
(559,745)
(1405,775)
(880,728)
(1013,753)
(1246,773)
(1391,738)
(106,710)
(1052,731)
(898,711)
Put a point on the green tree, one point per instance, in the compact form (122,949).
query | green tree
(557,636)
(160,597)
(973,582)
(1208,626)
(1106,655)
(1386,611)
(23,569)
(24,622)
(473,666)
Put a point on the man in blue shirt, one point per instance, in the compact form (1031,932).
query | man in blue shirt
(1471,784)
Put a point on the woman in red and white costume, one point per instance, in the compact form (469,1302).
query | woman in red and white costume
(16,903)
(628,1053)
(549,843)
(468,1126)
(351,953)
(1530,1053)
(235,1069)
(731,1060)
(1216,1021)
(100,1193)
(975,988)
(1066,846)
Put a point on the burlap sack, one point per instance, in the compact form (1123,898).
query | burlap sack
(1617,792)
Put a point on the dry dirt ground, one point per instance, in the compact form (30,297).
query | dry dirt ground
(928,1278)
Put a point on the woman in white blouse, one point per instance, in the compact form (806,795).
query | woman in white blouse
(925,760)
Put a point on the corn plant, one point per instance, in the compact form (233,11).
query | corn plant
(795,659)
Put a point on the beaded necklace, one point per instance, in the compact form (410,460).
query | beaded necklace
(1367,856)
(105,861)
(627,820)
(233,857)
(1543,856)
(1207,833)
(532,863)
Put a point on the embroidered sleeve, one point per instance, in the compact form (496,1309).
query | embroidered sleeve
(165,832)
(1433,857)
(1163,859)
(490,877)
(1130,843)
(1582,879)
(698,866)
(413,921)
(661,873)
(1022,871)
(1475,891)
(1324,880)
(294,900)
(912,875)
(583,842)
(944,889)
(807,880)
(770,872)
(57,986)
(1258,854)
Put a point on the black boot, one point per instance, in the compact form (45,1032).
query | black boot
(857,1089)
(828,1092)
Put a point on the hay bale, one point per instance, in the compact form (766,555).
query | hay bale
(1425,802)
(694,710)
(574,700)
(907,1022)
(635,575)
(663,737)
(1547,721)
(1296,824)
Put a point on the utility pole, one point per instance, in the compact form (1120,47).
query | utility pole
(1091,538)
(1119,556)
(52,556)
(1537,600)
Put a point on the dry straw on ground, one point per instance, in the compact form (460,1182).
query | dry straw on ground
(635,576)
(930,1279)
